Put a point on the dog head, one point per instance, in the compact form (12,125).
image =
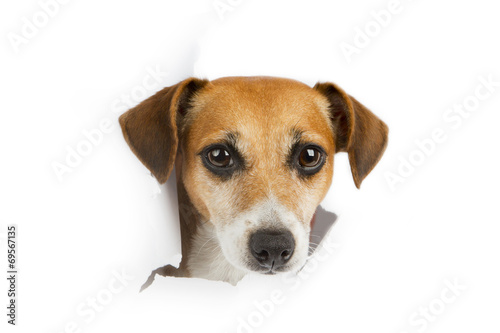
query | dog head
(255,155)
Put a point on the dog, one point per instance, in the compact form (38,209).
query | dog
(253,158)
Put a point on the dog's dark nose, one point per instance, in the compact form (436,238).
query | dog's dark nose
(272,249)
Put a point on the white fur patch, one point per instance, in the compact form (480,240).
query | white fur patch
(221,252)
(207,261)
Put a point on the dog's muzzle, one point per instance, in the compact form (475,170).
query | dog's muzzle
(272,249)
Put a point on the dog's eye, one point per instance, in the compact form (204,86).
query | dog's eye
(309,157)
(220,158)
(310,160)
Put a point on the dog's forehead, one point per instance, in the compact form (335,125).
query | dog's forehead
(267,95)
(254,106)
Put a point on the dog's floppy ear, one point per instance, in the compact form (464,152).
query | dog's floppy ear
(357,131)
(150,128)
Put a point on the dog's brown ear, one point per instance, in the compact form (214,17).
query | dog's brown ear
(150,128)
(357,131)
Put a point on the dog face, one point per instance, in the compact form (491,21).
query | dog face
(256,157)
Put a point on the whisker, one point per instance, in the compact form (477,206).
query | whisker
(205,244)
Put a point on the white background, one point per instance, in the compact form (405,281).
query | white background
(395,248)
